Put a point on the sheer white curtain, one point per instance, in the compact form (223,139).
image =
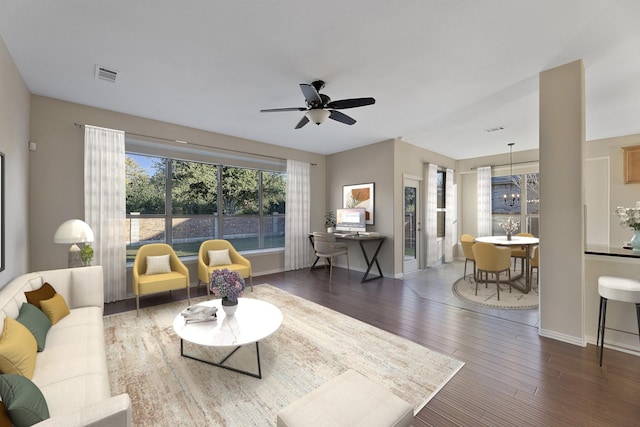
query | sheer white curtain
(432,216)
(451,217)
(298,223)
(484,201)
(104,205)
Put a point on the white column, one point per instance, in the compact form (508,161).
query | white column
(562,141)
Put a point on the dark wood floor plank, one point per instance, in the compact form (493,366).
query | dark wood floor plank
(511,377)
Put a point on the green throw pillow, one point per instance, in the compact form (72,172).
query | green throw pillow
(35,321)
(23,400)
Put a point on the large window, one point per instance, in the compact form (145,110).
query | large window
(441,208)
(510,198)
(183,203)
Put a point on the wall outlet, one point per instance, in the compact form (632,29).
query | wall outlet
(32,146)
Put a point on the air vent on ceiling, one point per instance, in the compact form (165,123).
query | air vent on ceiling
(106,74)
(496,129)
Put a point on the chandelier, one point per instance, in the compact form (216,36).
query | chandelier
(511,198)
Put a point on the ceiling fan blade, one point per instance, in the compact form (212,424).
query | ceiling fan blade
(350,103)
(272,110)
(341,117)
(311,94)
(303,121)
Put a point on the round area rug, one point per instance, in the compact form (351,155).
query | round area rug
(465,288)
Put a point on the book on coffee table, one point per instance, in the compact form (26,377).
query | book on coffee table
(199,313)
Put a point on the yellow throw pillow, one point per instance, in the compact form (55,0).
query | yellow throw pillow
(18,349)
(55,308)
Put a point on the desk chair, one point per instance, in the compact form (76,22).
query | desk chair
(492,259)
(467,241)
(520,252)
(157,268)
(325,246)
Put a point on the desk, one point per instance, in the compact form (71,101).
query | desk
(361,241)
(515,241)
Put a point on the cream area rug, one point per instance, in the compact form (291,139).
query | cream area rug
(465,288)
(313,345)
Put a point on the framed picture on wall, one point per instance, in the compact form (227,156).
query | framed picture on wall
(631,164)
(1,211)
(360,196)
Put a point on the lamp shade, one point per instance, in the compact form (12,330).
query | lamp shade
(73,231)
(318,116)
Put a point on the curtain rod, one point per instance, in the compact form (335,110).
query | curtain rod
(514,163)
(177,141)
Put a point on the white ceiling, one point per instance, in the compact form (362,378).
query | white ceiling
(442,72)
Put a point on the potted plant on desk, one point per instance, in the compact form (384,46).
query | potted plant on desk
(330,221)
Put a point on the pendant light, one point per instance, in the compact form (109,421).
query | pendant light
(511,198)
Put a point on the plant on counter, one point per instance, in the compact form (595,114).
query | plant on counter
(629,217)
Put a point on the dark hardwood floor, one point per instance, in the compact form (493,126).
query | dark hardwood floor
(512,376)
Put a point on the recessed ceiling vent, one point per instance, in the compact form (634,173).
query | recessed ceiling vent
(495,129)
(106,74)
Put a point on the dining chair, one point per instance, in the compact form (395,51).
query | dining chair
(520,252)
(492,259)
(325,246)
(467,241)
(534,263)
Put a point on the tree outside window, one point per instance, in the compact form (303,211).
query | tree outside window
(202,201)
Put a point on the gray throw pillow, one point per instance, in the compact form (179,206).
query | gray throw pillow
(23,400)
(35,321)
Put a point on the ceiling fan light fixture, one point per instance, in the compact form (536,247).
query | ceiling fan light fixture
(318,116)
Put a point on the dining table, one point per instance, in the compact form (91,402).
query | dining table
(523,241)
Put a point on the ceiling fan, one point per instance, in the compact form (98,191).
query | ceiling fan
(320,106)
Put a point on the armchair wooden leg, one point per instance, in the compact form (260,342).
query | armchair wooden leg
(137,305)
(251,282)
(188,294)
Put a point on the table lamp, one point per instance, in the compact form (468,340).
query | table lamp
(72,232)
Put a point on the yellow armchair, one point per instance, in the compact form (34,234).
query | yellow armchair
(238,263)
(151,275)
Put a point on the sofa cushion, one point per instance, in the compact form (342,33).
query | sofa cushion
(18,349)
(158,264)
(55,308)
(23,400)
(220,257)
(36,321)
(45,292)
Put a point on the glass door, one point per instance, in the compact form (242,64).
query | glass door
(412,226)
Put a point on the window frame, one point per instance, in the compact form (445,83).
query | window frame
(218,217)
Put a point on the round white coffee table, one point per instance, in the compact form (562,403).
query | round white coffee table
(253,321)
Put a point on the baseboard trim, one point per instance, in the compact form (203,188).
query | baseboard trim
(562,337)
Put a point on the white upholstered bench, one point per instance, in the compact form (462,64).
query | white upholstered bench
(350,399)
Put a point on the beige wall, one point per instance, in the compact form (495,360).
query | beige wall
(620,194)
(562,162)
(373,163)
(14,138)
(56,190)
(411,160)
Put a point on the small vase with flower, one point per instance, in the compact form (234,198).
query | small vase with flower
(630,217)
(229,286)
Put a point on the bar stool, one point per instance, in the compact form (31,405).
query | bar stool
(617,289)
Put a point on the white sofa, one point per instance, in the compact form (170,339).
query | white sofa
(72,371)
